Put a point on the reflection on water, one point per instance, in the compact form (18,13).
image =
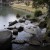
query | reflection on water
(6,15)
(5,20)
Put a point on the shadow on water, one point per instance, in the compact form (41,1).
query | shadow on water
(5,10)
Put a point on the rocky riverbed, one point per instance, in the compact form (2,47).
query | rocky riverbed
(25,32)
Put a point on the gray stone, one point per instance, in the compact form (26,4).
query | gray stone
(15,32)
(5,39)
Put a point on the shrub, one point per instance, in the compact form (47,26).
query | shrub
(28,16)
(27,3)
(37,13)
(18,15)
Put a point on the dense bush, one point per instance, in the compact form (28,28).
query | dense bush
(37,13)
(18,15)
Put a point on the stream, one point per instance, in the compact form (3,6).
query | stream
(9,15)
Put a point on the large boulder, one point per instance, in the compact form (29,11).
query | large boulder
(5,40)
(11,28)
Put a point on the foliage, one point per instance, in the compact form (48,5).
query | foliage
(40,2)
(27,3)
(28,16)
(37,13)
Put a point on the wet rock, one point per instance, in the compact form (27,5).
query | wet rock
(4,25)
(12,23)
(15,32)
(20,29)
(11,28)
(44,41)
(5,40)
(43,24)
(21,20)
(27,22)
